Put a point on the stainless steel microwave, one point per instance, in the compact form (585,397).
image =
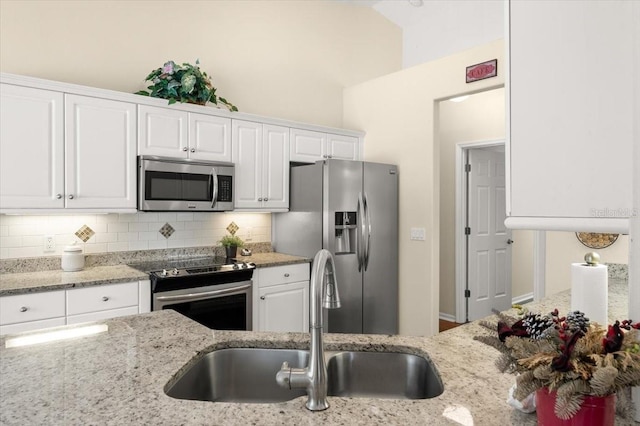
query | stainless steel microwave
(170,184)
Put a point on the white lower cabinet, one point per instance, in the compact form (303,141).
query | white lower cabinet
(26,312)
(282,298)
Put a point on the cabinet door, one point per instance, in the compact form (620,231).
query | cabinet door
(100,152)
(209,137)
(284,308)
(275,182)
(307,146)
(101,298)
(31,148)
(247,156)
(22,308)
(343,147)
(163,132)
(571,114)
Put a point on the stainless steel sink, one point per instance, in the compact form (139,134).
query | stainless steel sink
(382,375)
(238,375)
(249,375)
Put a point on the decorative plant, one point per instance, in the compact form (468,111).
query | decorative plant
(183,83)
(566,354)
(231,241)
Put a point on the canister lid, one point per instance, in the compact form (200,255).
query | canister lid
(72,248)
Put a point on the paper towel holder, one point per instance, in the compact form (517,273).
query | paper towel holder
(592,258)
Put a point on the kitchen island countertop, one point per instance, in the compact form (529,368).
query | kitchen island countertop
(118,377)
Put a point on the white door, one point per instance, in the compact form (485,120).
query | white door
(163,132)
(489,241)
(308,146)
(247,156)
(209,137)
(275,182)
(100,153)
(342,147)
(31,148)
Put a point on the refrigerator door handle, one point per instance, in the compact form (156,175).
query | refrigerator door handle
(361,232)
(367,242)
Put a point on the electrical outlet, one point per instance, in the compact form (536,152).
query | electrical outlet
(418,234)
(49,243)
(249,236)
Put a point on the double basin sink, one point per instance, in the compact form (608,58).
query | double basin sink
(248,375)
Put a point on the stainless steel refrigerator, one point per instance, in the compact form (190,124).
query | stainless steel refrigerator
(351,209)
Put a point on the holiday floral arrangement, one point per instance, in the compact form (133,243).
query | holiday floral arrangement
(183,83)
(566,354)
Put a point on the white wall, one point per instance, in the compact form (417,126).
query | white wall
(23,236)
(398,113)
(443,27)
(288,59)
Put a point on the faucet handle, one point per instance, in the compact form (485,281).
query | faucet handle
(283,377)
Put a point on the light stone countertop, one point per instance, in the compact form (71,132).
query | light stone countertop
(34,282)
(118,377)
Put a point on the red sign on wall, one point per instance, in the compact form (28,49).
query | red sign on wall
(483,70)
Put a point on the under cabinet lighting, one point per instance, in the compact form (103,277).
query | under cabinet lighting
(54,336)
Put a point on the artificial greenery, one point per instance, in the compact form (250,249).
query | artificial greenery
(231,241)
(183,83)
(566,354)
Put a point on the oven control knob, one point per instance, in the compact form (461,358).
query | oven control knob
(164,273)
(235,266)
(251,264)
(244,265)
(175,271)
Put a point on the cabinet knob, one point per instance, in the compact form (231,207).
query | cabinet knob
(324,156)
(58,196)
(105,298)
(266,199)
(329,156)
(193,150)
(259,199)
(185,149)
(24,309)
(286,275)
(262,297)
(510,241)
(71,196)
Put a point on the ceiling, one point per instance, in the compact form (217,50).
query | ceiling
(403,13)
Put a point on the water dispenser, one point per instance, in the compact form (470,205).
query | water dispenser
(345,229)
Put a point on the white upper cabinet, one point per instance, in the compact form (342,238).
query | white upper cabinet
(166,132)
(309,146)
(571,115)
(261,157)
(31,148)
(100,152)
(66,151)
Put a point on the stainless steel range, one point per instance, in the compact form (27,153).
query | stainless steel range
(214,291)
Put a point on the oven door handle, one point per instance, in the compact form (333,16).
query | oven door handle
(203,295)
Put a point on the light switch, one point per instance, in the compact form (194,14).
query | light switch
(418,234)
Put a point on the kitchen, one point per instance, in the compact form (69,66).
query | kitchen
(238,47)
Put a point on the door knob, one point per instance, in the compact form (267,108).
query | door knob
(193,150)
(262,297)
(510,241)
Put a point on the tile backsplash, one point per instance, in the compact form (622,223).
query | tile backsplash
(25,235)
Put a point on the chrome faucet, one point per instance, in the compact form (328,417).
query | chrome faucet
(323,293)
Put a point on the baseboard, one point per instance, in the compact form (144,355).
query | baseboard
(447,317)
(525,298)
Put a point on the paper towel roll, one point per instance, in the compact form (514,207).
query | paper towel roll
(589,291)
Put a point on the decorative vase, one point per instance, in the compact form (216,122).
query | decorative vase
(231,251)
(594,411)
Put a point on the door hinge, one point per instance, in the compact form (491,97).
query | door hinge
(467,168)
(467,231)
(467,293)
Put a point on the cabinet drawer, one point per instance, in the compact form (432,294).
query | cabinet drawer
(102,315)
(101,298)
(31,307)
(283,274)
(31,325)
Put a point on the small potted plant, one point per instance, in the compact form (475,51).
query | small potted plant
(231,244)
(573,367)
(183,83)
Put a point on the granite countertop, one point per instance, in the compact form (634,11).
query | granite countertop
(118,377)
(39,281)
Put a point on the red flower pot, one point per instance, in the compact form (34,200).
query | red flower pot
(594,411)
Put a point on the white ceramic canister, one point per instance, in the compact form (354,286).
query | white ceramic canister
(72,258)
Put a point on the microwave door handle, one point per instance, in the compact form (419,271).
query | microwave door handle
(214,178)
